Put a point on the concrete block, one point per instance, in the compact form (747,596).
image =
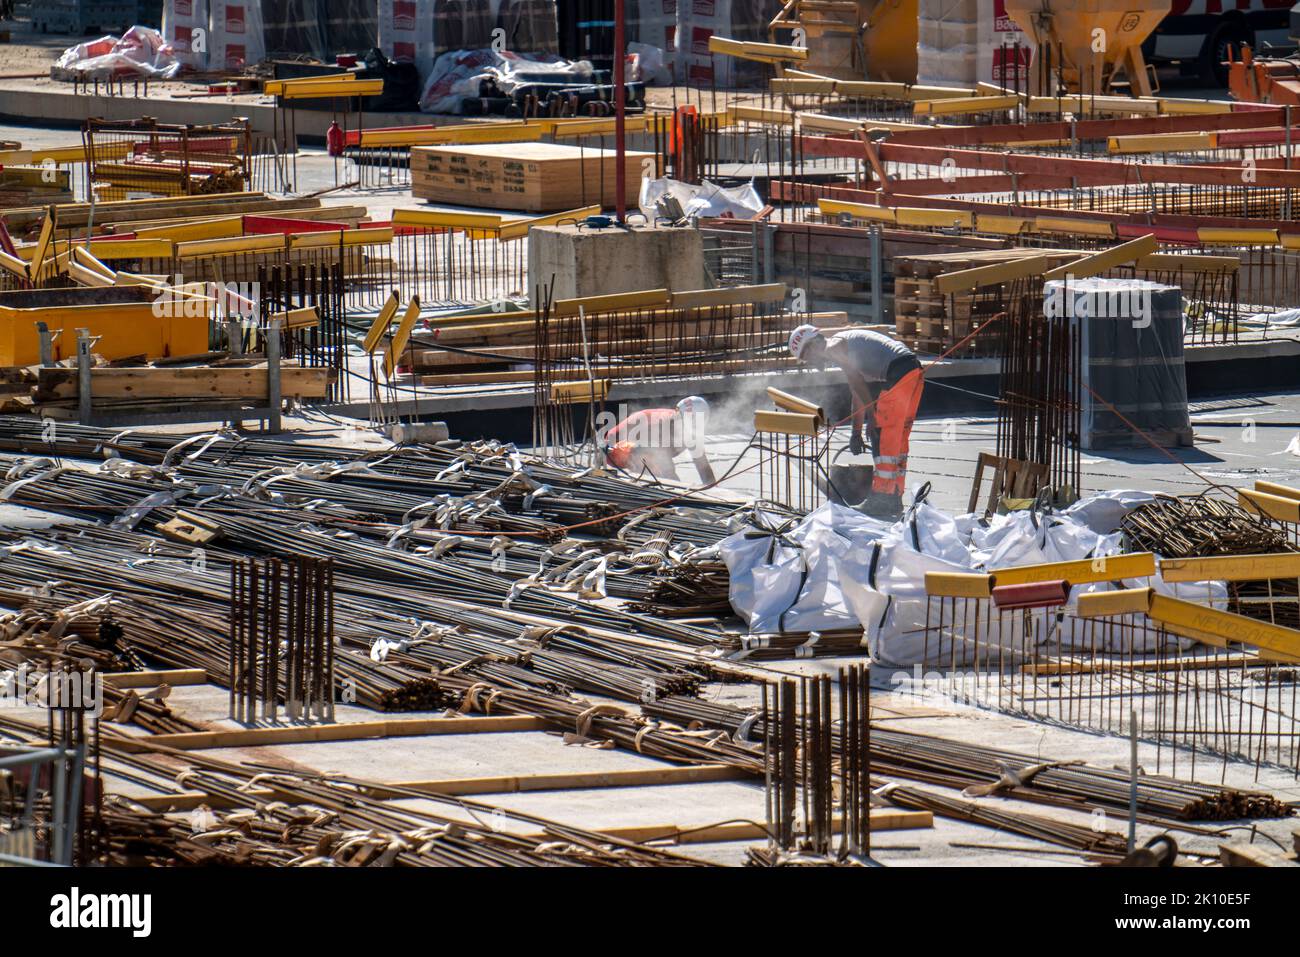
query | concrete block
(426,432)
(600,262)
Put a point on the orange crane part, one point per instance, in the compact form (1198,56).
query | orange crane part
(1275,81)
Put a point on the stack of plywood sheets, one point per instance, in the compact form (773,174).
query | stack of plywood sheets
(532,177)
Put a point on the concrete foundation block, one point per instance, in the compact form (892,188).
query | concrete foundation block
(601,262)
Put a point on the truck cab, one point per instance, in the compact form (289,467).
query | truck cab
(1198,33)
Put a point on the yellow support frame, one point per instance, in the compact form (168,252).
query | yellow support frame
(1106,259)
(617,302)
(375,334)
(1081,227)
(965,280)
(836,207)
(401,337)
(1083,572)
(958,585)
(1276,507)
(519,229)
(1231,568)
(786,423)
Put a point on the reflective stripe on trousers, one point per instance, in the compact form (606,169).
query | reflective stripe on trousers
(895,412)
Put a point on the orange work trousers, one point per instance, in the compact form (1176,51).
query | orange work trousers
(894,414)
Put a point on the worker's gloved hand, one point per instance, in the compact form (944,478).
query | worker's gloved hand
(856,446)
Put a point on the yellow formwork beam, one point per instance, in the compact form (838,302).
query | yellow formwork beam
(202,248)
(446,219)
(728,296)
(519,229)
(1162,143)
(1081,105)
(84,257)
(1189,262)
(763,52)
(1276,507)
(13,265)
(375,334)
(1085,571)
(1215,236)
(617,302)
(397,345)
(582,390)
(314,88)
(564,128)
(218,227)
(805,85)
(1273,488)
(835,207)
(1202,622)
(1231,568)
(958,585)
(786,423)
(63,155)
(277,87)
(378,236)
(833,124)
(920,92)
(977,277)
(1079,227)
(1184,107)
(87,276)
(1123,601)
(965,104)
(452,135)
(761,114)
(938,218)
(43,243)
(1002,225)
(1106,259)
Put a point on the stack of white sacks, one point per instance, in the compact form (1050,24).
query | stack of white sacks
(840,569)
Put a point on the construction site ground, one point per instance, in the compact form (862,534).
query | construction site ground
(943,454)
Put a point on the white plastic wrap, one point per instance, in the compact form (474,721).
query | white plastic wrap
(707,199)
(140,52)
(457,75)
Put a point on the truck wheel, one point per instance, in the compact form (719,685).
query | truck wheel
(1229,34)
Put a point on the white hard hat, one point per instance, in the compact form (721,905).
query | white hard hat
(800,338)
(693,405)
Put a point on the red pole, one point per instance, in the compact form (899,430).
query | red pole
(620,103)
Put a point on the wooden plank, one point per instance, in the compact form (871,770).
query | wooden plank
(732,296)
(176,677)
(164,383)
(345,731)
(1252,855)
(1106,259)
(964,280)
(500,784)
(882,819)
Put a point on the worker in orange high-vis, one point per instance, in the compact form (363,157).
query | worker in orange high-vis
(886,381)
(648,441)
